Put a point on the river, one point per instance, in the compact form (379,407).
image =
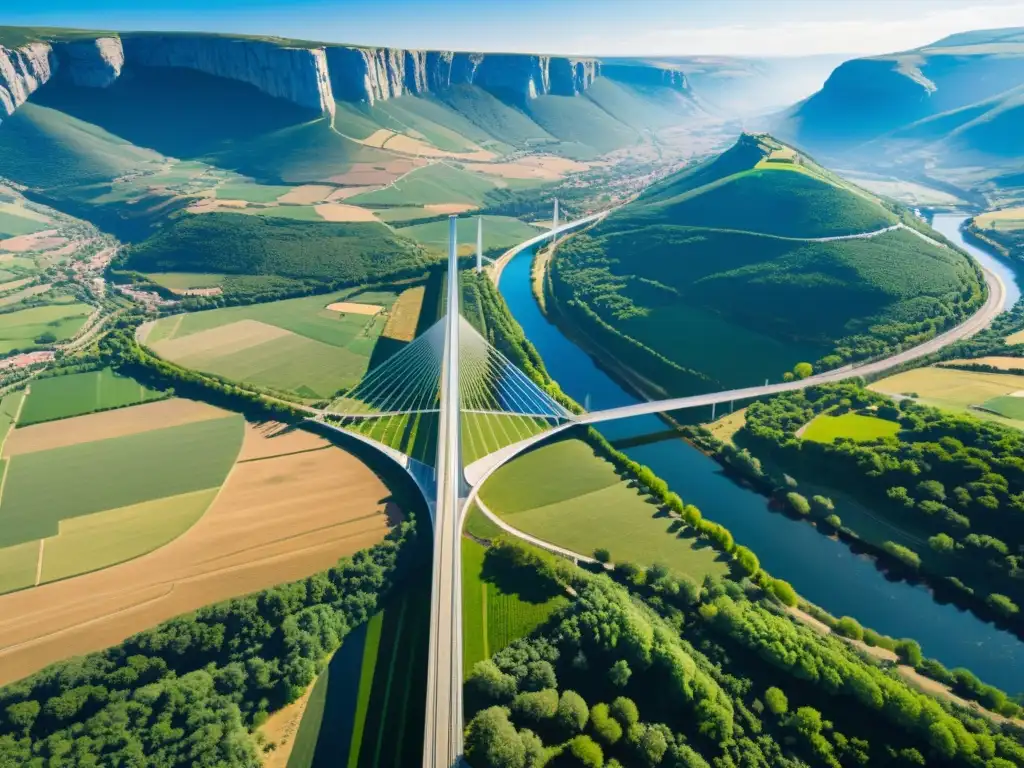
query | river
(822,570)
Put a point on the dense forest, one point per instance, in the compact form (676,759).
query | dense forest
(188,692)
(953,481)
(647,669)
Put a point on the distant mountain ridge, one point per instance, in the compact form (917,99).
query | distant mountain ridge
(950,104)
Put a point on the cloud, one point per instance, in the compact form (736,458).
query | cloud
(854,35)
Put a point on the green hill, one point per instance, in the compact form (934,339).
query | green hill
(724,271)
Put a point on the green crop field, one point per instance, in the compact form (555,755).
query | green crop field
(366,709)
(295,345)
(9,406)
(18,565)
(432,184)
(60,397)
(46,487)
(1007,405)
(564,494)
(498,607)
(499,232)
(100,540)
(856,426)
(250,192)
(19,329)
(14,222)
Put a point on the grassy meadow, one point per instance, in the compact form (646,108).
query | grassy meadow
(499,232)
(855,426)
(61,397)
(296,345)
(564,494)
(23,329)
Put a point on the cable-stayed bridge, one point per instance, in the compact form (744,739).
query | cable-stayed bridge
(451,409)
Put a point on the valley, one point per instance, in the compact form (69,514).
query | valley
(256,508)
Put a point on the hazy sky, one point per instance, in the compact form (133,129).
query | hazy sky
(608,27)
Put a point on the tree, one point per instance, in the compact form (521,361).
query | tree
(586,751)
(848,626)
(776,701)
(605,727)
(619,673)
(931,489)
(539,675)
(747,560)
(492,741)
(491,682)
(834,521)
(536,706)
(625,711)
(23,714)
(942,542)
(572,713)
(803,370)
(629,573)
(909,652)
(905,555)
(784,591)
(648,742)
(942,740)
(1002,605)
(798,503)
(602,555)
(823,505)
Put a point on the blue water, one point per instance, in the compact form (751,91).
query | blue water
(948,224)
(824,571)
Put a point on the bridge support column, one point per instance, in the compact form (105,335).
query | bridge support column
(554,219)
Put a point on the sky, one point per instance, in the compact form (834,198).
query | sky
(595,27)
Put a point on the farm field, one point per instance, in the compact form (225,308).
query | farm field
(297,345)
(20,329)
(954,389)
(499,608)
(726,427)
(432,185)
(369,707)
(60,397)
(827,429)
(292,505)
(1006,405)
(564,494)
(499,232)
(17,220)
(1006,219)
(10,406)
(996,361)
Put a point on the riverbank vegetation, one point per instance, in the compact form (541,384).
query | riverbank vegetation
(640,282)
(944,490)
(635,673)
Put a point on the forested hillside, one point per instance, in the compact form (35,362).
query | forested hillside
(738,268)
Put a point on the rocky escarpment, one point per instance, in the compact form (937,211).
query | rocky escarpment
(376,74)
(22,71)
(93,63)
(649,76)
(312,76)
(296,74)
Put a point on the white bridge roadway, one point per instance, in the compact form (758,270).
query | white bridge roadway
(457,486)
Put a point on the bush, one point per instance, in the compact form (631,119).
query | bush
(1002,605)
(536,706)
(602,555)
(619,674)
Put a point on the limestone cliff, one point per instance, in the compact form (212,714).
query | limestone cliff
(22,71)
(374,74)
(297,74)
(91,63)
(650,76)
